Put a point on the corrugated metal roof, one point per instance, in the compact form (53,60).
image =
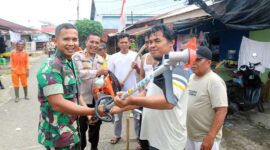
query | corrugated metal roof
(186,9)
(7,25)
(106,33)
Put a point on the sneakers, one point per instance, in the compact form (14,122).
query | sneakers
(26,98)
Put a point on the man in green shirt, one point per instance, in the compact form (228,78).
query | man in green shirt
(59,97)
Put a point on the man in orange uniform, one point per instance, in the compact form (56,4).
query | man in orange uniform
(19,68)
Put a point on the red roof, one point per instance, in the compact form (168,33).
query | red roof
(139,31)
(7,25)
(50,29)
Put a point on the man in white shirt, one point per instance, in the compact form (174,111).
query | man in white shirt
(120,63)
(163,118)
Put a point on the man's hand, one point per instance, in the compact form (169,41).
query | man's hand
(207,143)
(116,110)
(102,72)
(121,85)
(101,110)
(134,65)
(142,93)
(121,103)
(89,117)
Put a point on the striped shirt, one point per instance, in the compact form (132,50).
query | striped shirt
(88,67)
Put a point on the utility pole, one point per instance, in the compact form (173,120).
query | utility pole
(78,9)
(131,17)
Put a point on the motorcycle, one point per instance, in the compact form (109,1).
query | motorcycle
(244,90)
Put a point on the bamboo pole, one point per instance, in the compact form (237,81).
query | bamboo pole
(131,69)
(127,133)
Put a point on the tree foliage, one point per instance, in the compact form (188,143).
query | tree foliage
(85,27)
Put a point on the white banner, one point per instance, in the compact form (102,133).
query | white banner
(252,51)
(14,37)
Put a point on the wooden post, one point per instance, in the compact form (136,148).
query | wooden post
(127,133)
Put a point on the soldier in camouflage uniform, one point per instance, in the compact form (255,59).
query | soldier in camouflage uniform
(60,101)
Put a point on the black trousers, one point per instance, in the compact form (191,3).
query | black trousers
(1,85)
(93,131)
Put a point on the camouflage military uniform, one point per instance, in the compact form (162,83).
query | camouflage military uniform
(57,130)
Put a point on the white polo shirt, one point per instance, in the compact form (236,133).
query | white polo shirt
(120,64)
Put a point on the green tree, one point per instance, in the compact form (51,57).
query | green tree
(87,26)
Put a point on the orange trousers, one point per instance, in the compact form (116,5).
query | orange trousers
(15,80)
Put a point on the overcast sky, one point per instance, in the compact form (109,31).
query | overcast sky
(30,12)
(146,7)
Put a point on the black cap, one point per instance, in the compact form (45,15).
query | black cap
(204,52)
(103,46)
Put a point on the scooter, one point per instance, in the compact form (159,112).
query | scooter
(244,90)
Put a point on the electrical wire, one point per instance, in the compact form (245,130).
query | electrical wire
(171,6)
(157,7)
(128,7)
(135,6)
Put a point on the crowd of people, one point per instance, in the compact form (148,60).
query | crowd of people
(188,115)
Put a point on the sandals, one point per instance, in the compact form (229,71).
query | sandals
(139,147)
(115,140)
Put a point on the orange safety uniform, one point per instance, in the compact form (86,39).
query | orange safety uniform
(19,67)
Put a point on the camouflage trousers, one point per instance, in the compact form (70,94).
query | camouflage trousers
(71,147)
